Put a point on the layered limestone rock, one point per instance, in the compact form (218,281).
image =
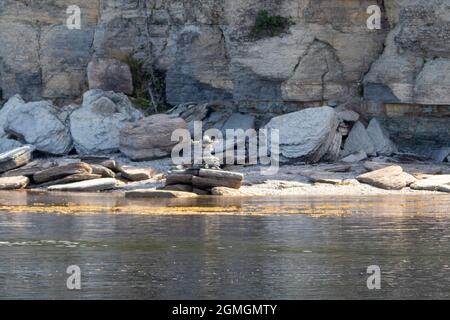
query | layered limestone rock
(205,53)
(203,47)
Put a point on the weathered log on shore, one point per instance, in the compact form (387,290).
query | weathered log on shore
(14,183)
(61,172)
(15,158)
(86,186)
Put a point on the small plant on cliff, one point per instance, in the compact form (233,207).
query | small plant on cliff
(269,26)
(149,86)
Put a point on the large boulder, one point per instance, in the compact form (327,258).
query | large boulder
(150,138)
(110,75)
(305,135)
(40,124)
(12,104)
(96,125)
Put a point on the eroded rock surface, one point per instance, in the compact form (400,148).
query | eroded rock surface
(95,126)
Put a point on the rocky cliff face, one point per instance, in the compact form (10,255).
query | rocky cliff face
(329,56)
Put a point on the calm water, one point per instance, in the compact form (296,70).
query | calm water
(228,249)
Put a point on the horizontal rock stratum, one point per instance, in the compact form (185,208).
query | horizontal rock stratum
(204,52)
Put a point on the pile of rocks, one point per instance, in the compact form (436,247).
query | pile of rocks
(203,181)
(191,183)
(69,174)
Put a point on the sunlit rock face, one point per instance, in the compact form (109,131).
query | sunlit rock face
(203,49)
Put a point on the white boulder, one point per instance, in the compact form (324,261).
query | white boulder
(305,135)
(40,124)
(96,125)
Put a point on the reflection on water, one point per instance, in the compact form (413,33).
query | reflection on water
(224,248)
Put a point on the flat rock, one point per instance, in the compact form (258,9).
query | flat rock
(179,178)
(14,183)
(42,125)
(226,192)
(102,171)
(61,172)
(305,135)
(355,157)
(137,174)
(15,158)
(159,194)
(357,140)
(221,174)
(86,186)
(31,168)
(211,182)
(71,179)
(201,192)
(178,187)
(434,183)
(380,137)
(390,178)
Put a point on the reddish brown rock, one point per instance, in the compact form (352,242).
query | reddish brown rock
(110,75)
(150,138)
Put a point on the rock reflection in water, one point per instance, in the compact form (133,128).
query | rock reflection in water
(245,248)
